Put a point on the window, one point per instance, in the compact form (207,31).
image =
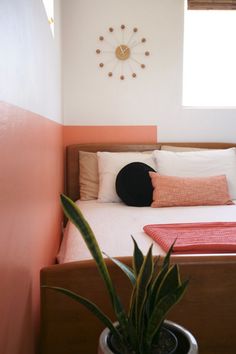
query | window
(212,4)
(209,69)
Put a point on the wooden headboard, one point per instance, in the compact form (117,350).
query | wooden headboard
(72,157)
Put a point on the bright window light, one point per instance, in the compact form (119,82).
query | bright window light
(49,8)
(209,68)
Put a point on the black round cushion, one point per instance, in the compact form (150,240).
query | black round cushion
(133,184)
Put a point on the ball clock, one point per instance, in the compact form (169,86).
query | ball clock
(122,52)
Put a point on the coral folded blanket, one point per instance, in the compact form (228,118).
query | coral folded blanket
(205,237)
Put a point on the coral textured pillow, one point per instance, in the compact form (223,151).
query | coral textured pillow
(189,191)
(204,163)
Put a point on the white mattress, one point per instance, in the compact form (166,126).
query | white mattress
(114,223)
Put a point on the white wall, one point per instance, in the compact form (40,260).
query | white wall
(154,97)
(30,57)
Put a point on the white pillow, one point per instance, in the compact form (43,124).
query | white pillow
(203,163)
(109,164)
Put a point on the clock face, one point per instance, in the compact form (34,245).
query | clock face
(122,52)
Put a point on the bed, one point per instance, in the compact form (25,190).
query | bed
(208,309)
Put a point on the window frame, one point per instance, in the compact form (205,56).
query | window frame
(211,4)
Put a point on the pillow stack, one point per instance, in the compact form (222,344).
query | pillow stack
(206,163)
(183,177)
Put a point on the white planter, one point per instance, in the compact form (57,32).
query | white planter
(182,334)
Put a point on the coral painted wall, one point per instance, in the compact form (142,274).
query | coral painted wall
(31,179)
(109,134)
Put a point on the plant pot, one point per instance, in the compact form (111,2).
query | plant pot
(186,342)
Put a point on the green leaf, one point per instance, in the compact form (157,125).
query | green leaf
(74,214)
(156,265)
(127,270)
(161,309)
(160,276)
(156,284)
(143,280)
(131,316)
(170,281)
(138,258)
(166,261)
(137,262)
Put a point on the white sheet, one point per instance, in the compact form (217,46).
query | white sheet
(113,223)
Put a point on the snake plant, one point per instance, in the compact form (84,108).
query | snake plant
(156,287)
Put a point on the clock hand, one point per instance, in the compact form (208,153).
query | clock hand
(121,49)
(125,49)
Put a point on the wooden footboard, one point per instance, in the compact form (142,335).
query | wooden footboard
(208,308)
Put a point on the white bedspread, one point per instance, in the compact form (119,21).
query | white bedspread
(113,223)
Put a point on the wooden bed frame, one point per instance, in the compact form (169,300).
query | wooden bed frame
(208,308)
